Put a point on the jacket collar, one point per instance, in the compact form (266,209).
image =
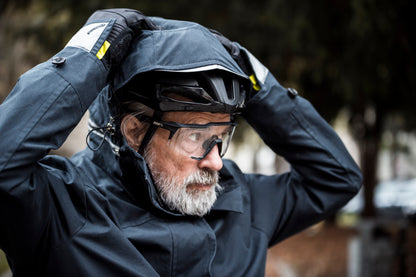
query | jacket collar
(230,199)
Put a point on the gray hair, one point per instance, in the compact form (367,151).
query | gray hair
(135,108)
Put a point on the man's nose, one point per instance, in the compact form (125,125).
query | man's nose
(212,160)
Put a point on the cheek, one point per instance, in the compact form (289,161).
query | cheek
(179,165)
(170,161)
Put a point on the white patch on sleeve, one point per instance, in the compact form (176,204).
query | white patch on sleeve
(87,36)
(259,69)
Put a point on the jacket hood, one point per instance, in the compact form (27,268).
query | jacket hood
(177,46)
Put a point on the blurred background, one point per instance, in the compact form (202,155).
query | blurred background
(353,59)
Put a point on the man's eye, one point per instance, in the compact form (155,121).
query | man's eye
(223,135)
(195,136)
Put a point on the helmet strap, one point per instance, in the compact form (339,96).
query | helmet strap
(150,131)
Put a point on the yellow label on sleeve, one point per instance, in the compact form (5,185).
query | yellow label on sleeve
(103,50)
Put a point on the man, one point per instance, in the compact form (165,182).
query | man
(151,196)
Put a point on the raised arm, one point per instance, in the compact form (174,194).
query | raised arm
(45,105)
(323,175)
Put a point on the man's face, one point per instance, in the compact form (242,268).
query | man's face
(185,184)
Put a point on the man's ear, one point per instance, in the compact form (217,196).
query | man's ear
(133,130)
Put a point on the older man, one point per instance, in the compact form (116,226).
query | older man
(152,196)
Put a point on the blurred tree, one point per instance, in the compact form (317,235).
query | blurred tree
(354,54)
(382,41)
(358,54)
(379,86)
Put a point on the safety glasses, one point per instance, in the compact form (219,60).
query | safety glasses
(196,140)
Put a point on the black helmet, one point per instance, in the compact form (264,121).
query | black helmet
(215,91)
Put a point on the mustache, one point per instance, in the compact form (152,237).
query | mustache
(203,177)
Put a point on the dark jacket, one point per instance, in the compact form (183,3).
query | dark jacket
(98,214)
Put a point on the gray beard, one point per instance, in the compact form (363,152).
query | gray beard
(176,194)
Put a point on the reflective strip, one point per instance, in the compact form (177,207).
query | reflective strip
(87,36)
(259,69)
(253,80)
(203,68)
(103,50)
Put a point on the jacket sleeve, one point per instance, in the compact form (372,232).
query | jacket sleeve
(38,115)
(323,175)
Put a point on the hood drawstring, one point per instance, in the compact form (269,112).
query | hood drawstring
(102,132)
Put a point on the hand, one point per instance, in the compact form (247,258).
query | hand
(247,62)
(108,33)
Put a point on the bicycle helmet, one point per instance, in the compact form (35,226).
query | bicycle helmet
(216,91)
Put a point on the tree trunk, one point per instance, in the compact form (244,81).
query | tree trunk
(394,154)
(369,157)
(369,152)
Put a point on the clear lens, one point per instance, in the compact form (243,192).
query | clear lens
(197,142)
